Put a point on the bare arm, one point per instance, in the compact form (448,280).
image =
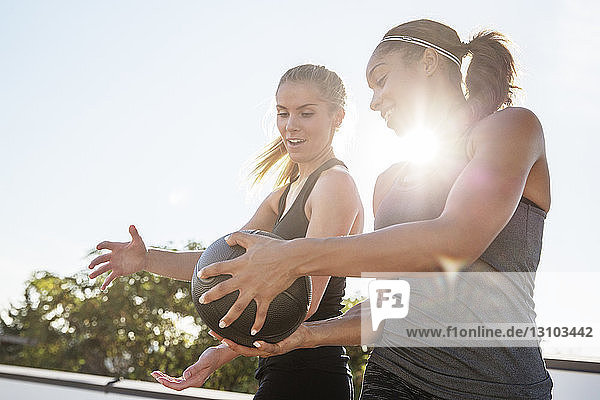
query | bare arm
(343,330)
(333,206)
(126,258)
(172,264)
(480,203)
(175,263)
(196,374)
(351,329)
(181,264)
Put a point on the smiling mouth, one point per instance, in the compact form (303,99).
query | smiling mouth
(295,142)
(388,114)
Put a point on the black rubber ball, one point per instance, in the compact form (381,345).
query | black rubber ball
(286,312)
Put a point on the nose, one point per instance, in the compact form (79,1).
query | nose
(375,101)
(292,124)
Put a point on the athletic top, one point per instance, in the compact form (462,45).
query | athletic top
(471,372)
(292,225)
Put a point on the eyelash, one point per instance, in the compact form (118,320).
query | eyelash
(304,114)
(380,82)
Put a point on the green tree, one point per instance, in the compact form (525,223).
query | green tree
(358,354)
(142,323)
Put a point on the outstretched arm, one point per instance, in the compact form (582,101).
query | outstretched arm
(351,329)
(196,374)
(333,209)
(126,258)
(480,203)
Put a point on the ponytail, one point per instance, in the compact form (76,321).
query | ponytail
(491,74)
(275,154)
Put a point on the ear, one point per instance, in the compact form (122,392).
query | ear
(430,61)
(339,117)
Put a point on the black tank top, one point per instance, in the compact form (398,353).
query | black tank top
(293,225)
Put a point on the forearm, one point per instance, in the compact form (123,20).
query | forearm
(173,264)
(353,328)
(418,246)
(227,355)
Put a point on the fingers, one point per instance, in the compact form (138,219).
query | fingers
(242,239)
(134,233)
(99,260)
(106,245)
(101,270)
(235,311)
(218,268)
(169,381)
(260,349)
(215,335)
(192,376)
(189,371)
(218,291)
(243,350)
(111,277)
(195,371)
(160,374)
(267,348)
(261,314)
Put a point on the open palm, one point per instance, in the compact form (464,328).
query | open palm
(124,258)
(196,374)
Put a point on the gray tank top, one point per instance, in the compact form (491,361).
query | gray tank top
(470,372)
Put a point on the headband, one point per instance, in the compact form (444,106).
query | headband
(423,43)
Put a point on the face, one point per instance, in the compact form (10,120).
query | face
(305,121)
(397,90)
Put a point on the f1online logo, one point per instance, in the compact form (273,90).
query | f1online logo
(389,299)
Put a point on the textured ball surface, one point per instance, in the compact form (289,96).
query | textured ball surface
(286,312)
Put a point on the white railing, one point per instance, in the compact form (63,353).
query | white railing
(28,383)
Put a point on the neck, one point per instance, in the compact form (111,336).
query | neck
(308,167)
(448,117)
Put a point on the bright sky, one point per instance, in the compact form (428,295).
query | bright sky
(147,112)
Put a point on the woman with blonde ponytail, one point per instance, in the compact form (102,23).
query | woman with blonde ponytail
(480,206)
(315,197)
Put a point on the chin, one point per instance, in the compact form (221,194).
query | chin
(399,130)
(395,126)
(297,158)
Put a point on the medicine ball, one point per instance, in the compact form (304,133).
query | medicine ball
(286,312)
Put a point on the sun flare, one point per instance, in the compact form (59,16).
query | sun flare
(419,146)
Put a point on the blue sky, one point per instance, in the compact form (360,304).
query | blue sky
(148,112)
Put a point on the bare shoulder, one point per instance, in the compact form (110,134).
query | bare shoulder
(387,177)
(335,179)
(384,183)
(335,186)
(516,127)
(335,195)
